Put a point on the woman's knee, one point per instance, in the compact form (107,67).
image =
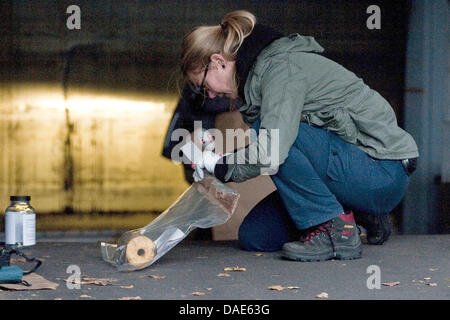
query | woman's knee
(247,240)
(267,227)
(254,240)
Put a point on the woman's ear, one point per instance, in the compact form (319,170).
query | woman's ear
(218,59)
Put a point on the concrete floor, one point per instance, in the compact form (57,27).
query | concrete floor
(416,261)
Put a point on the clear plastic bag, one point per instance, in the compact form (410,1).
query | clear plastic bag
(204,204)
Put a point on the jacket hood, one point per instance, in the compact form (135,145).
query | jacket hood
(265,41)
(261,37)
(293,43)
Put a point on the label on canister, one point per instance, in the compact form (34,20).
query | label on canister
(29,229)
(13,227)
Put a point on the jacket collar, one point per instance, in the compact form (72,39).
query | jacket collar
(251,47)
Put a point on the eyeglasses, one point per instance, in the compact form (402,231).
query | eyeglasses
(200,93)
(202,86)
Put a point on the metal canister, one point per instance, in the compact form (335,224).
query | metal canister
(20,222)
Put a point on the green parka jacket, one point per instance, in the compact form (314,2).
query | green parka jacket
(290,83)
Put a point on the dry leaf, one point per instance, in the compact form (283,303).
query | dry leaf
(277,288)
(427,278)
(196,293)
(131,298)
(98,281)
(223,275)
(156,277)
(127,287)
(322,295)
(432,269)
(209,289)
(236,268)
(85,296)
(95,281)
(432,284)
(391,284)
(57,299)
(258,254)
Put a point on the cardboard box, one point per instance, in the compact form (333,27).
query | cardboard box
(252,191)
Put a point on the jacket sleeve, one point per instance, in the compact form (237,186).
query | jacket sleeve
(282,89)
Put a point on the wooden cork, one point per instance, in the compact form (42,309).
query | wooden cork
(140,250)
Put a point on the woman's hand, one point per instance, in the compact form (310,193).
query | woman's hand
(198,174)
(208,163)
(207,140)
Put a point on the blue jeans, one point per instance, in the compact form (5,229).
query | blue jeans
(322,176)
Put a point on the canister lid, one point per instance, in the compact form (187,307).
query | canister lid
(20,198)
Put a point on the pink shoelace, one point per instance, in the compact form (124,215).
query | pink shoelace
(312,232)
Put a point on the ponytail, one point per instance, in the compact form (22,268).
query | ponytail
(237,25)
(224,38)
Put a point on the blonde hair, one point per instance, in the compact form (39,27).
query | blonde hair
(224,38)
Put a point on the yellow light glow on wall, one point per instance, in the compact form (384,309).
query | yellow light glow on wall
(49,98)
(107,148)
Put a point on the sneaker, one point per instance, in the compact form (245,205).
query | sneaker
(334,239)
(378,228)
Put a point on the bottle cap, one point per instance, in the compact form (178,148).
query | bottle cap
(20,198)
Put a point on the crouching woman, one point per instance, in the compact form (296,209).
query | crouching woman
(341,153)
